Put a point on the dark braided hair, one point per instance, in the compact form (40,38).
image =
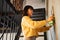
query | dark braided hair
(26,9)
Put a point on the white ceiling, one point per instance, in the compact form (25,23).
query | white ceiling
(35,3)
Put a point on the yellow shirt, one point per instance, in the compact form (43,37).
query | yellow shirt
(31,28)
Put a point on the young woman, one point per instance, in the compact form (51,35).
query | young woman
(31,28)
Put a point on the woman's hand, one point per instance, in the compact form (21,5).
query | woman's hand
(50,18)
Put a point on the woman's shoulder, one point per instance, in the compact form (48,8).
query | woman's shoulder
(25,17)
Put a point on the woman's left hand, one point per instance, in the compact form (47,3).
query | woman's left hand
(50,18)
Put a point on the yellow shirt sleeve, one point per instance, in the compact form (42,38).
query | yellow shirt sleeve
(43,29)
(32,24)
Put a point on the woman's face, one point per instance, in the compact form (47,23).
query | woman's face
(30,12)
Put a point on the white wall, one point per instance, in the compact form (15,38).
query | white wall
(50,33)
(35,3)
(57,16)
(56,6)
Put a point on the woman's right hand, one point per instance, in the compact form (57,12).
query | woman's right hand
(50,18)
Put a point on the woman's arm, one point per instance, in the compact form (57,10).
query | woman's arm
(43,29)
(28,22)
